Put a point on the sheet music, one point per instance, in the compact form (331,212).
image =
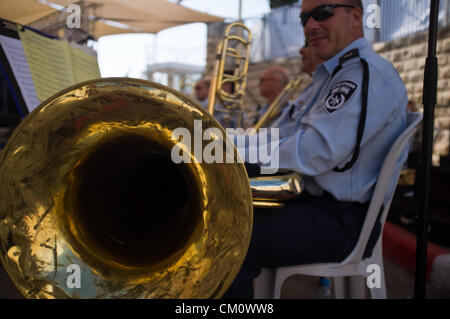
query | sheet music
(84,66)
(16,57)
(49,62)
(44,66)
(55,64)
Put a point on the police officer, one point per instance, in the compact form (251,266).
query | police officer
(355,113)
(271,83)
(292,114)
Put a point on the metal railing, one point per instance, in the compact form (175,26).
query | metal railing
(401,18)
(279,33)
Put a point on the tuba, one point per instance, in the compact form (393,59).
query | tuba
(92,204)
(233,49)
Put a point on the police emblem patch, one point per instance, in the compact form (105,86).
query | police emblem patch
(339,95)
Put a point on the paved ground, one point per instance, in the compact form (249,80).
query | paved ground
(399,285)
(399,282)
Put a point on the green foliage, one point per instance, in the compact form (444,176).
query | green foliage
(279,3)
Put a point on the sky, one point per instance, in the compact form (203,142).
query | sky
(129,54)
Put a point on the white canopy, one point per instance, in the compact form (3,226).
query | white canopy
(141,16)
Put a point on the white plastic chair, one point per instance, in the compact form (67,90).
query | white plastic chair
(270,281)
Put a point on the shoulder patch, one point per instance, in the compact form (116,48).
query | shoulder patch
(339,95)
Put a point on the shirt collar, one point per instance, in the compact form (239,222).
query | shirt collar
(332,63)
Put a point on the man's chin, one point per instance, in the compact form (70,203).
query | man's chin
(322,53)
(321,48)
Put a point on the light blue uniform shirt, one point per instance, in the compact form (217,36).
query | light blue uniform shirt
(292,113)
(204,104)
(250,119)
(325,136)
(224,118)
(219,116)
(262,111)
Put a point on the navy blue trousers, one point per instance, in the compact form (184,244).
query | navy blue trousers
(309,229)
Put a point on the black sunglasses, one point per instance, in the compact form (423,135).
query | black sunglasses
(321,12)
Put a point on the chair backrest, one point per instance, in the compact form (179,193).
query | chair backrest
(385,186)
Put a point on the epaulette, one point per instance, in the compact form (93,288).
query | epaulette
(347,56)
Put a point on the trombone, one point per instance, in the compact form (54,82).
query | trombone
(239,53)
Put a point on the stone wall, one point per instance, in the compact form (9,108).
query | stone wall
(408,56)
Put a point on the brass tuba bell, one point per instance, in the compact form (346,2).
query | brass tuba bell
(88,183)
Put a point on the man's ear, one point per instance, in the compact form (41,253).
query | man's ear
(357,16)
